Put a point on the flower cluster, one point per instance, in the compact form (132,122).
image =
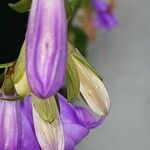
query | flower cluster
(41,88)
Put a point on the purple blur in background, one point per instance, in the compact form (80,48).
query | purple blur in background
(103,18)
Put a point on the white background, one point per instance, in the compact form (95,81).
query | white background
(123,57)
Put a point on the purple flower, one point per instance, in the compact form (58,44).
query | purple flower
(16,126)
(77,122)
(104,17)
(46,47)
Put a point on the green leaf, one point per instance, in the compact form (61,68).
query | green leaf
(22,6)
(68,9)
(78,38)
(46,108)
(72,80)
(75,4)
(77,55)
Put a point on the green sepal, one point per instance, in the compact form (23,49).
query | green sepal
(22,6)
(8,86)
(75,53)
(20,65)
(22,87)
(72,80)
(46,108)
(19,76)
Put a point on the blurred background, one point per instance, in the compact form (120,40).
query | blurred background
(123,58)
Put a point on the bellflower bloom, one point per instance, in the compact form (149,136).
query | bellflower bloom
(16,126)
(77,122)
(104,17)
(46,46)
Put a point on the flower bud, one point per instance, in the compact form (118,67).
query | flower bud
(46,47)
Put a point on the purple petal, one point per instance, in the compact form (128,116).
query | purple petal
(87,119)
(26,108)
(46,47)
(73,130)
(29,140)
(16,126)
(76,122)
(69,143)
(76,132)
(67,111)
(10,125)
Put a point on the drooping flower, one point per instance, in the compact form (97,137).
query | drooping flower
(16,125)
(104,17)
(77,122)
(46,47)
